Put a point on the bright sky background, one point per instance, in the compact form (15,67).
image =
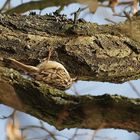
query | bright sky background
(94,88)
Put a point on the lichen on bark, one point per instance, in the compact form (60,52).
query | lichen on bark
(88,51)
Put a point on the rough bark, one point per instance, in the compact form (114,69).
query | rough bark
(102,53)
(67,111)
(91,52)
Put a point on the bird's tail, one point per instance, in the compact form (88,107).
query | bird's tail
(20,66)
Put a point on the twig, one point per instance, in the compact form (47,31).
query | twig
(4,5)
(9,116)
(74,135)
(96,131)
(109,20)
(134,88)
(40,127)
(77,13)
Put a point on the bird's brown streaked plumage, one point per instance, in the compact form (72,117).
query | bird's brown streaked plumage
(51,72)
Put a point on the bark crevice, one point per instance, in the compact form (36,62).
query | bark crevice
(93,52)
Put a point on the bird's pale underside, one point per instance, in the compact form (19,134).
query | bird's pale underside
(51,72)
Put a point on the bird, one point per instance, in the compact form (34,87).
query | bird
(50,72)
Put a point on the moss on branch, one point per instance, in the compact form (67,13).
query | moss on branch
(68,111)
(88,51)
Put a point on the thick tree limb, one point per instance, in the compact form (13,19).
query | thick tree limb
(67,111)
(91,52)
(88,51)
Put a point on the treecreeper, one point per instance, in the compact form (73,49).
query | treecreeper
(50,72)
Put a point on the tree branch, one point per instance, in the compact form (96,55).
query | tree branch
(67,111)
(101,53)
(89,51)
(42,4)
(39,5)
